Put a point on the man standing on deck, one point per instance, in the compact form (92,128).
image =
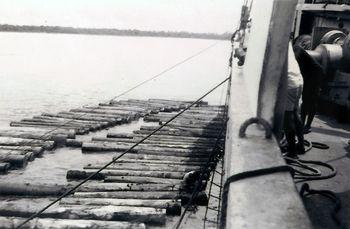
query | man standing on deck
(292,124)
(313,74)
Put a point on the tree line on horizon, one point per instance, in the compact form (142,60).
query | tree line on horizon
(109,31)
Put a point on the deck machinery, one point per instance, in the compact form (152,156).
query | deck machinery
(324,26)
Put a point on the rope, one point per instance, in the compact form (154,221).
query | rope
(244,175)
(306,191)
(118,157)
(164,71)
(125,92)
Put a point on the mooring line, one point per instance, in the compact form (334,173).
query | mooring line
(118,157)
(121,94)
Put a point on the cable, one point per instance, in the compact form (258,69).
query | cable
(123,93)
(164,71)
(117,158)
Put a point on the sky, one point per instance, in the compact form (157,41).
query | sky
(213,16)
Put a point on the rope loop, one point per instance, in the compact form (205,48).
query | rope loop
(257,120)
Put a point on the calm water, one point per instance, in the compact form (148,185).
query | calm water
(54,72)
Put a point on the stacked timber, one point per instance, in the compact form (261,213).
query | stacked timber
(152,174)
(141,188)
(30,136)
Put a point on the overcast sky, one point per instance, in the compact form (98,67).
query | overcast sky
(215,16)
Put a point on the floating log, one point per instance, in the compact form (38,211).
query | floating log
(74,143)
(154,162)
(148,143)
(123,114)
(80,117)
(161,157)
(159,195)
(18,161)
(37,133)
(117,118)
(104,187)
(8,141)
(119,108)
(207,134)
(108,146)
(113,177)
(83,122)
(37,150)
(80,174)
(44,223)
(120,135)
(4,167)
(27,189)
(161,142)
(26,208)
(142,180)
(56,137)
(148,167)
(160,137)
(49,126)
(172,207)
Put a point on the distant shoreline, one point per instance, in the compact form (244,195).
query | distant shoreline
(111,32)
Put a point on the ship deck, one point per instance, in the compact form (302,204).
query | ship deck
(336,135)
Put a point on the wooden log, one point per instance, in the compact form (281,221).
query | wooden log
(115,172)
(18,161)
(36,133)
(119,108)
(153,162)
(134,153)
(159,195)
(117,118)
(108,146)
(74,143)
(147,167)
(27,189)
(48,126)
(59,119)
(47,123)
(110,213)
(44,223)
(80,117)
(207,134)
(8,141)
(4,167)
(162,157)
(173,127)
(120,135)
(109,187)
(172,207)
(176,138)
(148,143)
(52,137)
(70,122)
(142,180)
(38,151)
(30,155)
(163,142)
(107,112)
(73,124)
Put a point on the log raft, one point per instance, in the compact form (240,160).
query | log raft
(139,189)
